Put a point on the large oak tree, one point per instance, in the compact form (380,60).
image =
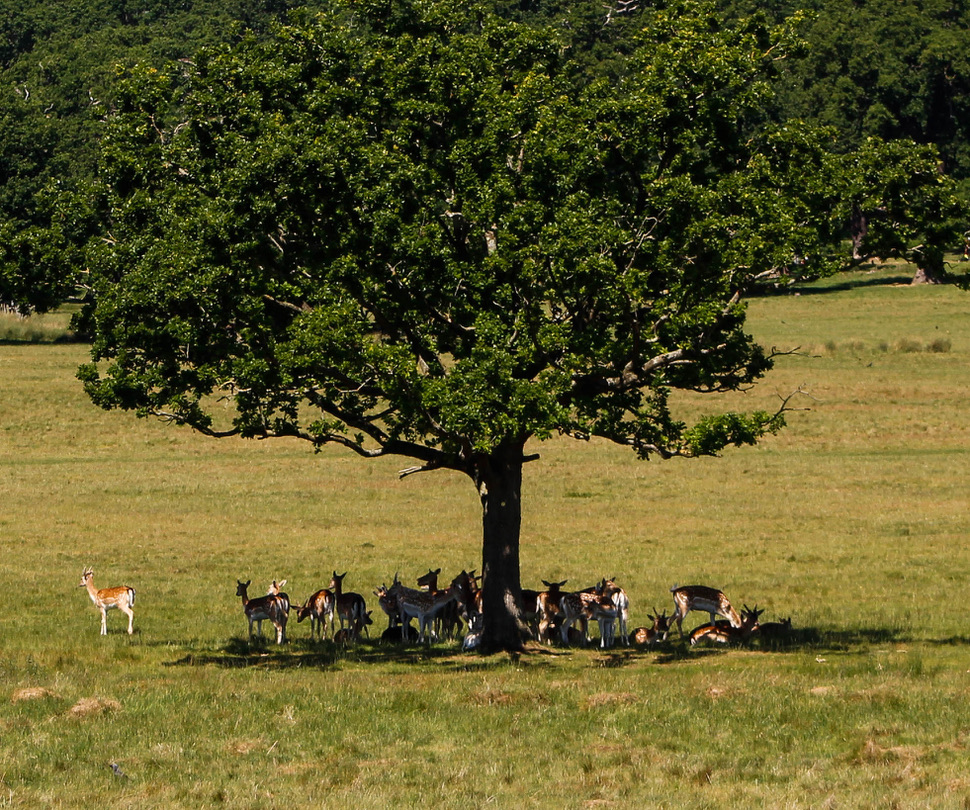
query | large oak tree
(410,227)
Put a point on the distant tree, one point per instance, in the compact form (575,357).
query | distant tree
(417,229)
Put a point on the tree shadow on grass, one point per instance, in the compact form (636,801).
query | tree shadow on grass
(800,639)
(240,653)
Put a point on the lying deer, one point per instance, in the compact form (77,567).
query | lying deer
(648,636)
(775,632)
(701,598)
(724,633)
(121,597)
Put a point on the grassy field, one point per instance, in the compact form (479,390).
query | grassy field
(852,521)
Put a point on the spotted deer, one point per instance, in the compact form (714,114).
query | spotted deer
(547,605)
(447,621)
(257,610)
(657,632)
(583,606)
(704,599)
(619,598)
(388,603)
(423,605)
(121,598)
(350,607)
(318,608)
(725,633)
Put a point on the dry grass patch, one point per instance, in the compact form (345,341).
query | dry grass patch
(32,693)
(611,699)
(91,707)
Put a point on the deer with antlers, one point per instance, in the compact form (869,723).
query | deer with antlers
(726,633)
(121,598)
(270,607)
(704,599)
(657,632)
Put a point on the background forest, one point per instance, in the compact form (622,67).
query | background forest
(896,70)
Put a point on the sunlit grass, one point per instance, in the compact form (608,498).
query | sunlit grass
(852,521)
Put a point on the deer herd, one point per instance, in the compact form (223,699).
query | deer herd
(553,614)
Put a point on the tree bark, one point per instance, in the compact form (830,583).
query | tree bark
(499,481)
(930,267)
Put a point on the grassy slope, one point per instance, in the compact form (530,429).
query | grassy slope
(852,521)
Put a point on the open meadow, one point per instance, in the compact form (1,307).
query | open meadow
(853,521)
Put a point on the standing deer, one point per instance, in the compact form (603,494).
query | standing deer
(264,607)
(547,605)
(447,619)
(702,598)
(583,606)
(621,600)
(350,607)
(424,605)
(318,608)
(122,598)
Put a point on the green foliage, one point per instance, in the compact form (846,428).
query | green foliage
(431,229)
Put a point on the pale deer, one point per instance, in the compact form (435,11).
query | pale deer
(447,620)
(121,597)
(657,632)
(423,605)
(547,605)
(318,608)
(622,602)
(704,599)
(583,606)
(264,607)
(274,590)
(350,607)
(725,633)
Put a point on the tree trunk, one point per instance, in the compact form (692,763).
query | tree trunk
(930,266)
(499,481)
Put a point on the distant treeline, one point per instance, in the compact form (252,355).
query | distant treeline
(891,68)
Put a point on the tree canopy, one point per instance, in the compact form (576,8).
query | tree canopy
(421,229)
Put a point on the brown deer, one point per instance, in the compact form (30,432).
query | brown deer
(724,633)
(701,598)
(547,605)
(350,607)
(264,607)
(121,597)
(318,608)
(657,632)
